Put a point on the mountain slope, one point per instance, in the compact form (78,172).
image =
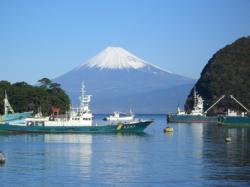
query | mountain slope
(115,75)
(158,101)
(227,72)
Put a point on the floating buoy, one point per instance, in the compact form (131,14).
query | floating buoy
(168,129)
(228,139)
(2,158)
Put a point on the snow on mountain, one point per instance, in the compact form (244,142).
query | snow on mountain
(115,58)
(118,79)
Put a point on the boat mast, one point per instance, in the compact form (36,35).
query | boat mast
(198,104)
(84,100)
(7,106)
(232,97)
(214,104)
(195,98)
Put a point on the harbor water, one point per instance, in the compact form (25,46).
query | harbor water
(192,155)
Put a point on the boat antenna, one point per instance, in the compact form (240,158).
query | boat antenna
(195,96)
(84,100)
(130,112)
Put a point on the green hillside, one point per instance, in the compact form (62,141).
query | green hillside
(24,97)
(227,72)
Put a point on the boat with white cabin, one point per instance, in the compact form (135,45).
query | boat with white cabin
(197,115)
(119,116)
(77,120)
(234,118)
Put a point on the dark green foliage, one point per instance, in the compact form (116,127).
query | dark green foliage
(227,72)
(24,97)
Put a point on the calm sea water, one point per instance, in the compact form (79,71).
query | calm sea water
(193,155)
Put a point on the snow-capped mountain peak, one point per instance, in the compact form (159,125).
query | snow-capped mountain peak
(118,80)
(115,58)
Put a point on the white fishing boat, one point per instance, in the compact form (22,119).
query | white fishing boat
(77,120)
(197,115)
(119,116)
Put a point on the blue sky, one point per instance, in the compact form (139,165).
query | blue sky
(47,38)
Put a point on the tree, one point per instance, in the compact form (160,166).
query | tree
(45,82)
(54,85)
(25,97)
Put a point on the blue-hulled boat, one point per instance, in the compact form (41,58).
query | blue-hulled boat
(197,115)
(78,120)
(234,120)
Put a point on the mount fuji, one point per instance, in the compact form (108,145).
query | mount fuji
(118,80)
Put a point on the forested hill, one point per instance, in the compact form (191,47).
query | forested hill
(227,72)
(25,97)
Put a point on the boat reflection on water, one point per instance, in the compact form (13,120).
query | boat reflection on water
(68,138)
(195,132)
(74,149)
(217,159)
(77,150)
(231,159)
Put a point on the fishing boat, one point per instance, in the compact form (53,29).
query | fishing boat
(197,115)
(234,119)
(9,113)
(119,116)
(78,120)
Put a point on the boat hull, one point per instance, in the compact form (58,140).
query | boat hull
(234,121)
(136,127)
(15,116)
(175,118)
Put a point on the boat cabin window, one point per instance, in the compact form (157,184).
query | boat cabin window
(35,123)
(39,123)
(52,118)
(30,123)
(86,118)
(77,119)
